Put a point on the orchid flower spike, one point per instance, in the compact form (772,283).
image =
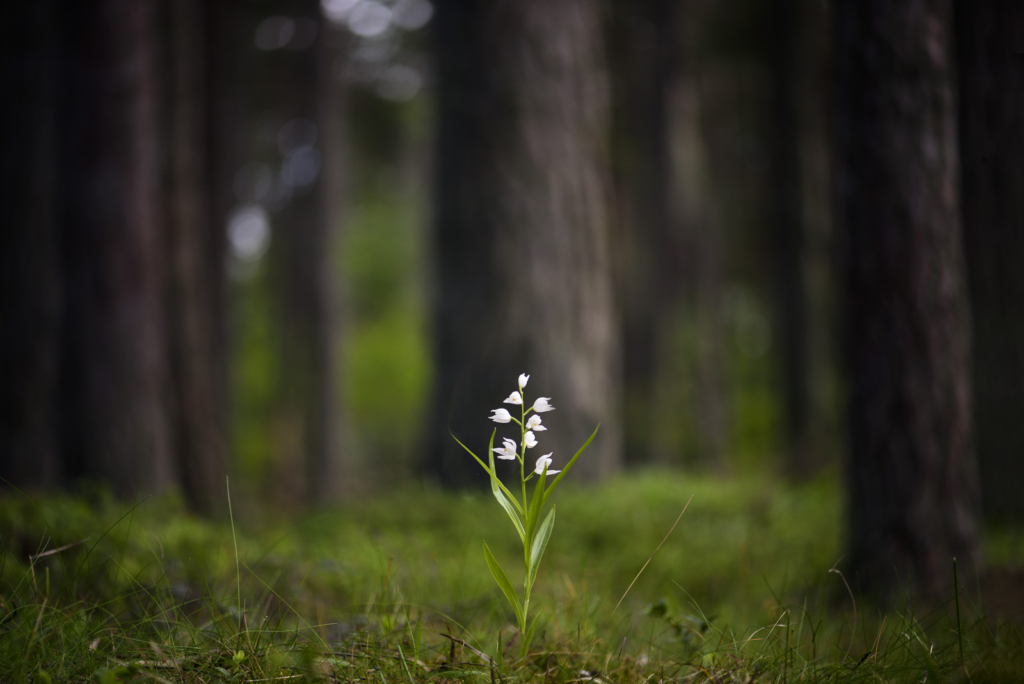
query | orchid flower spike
(534,424)
(514,398)
(542,463)
(530,440)
(523,379)
(541,405)
(507,453)
(501,416)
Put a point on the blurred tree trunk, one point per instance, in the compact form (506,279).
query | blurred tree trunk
(991,54)
(670,277)
(911,468)
(788,236)
(30,281)
(641,59)
(115,375)
(692,260)
(332,470)
(522,230)
(304,281)
(195,251)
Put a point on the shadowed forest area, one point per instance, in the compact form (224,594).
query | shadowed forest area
(266,265)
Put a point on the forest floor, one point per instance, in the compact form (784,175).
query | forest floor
(395,590)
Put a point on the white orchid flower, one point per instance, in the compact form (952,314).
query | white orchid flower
(542,463)
(534,424)
(514,398)
(501,416)
(507,453)
(541,405)
(523,379)
(530,440)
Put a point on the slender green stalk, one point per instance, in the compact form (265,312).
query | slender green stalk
(238,572)
(526,517)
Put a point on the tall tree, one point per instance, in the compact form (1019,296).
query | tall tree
(195,255)
(291,123)
(522,225)
(115,374)
(670,256)
(640,55)
(30,281)
(115,264)
(990,49)
(788,233)
(911,469)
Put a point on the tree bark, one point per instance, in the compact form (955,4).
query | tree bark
(788,237)
(195,268)
(522,230)
(669,244)
(641,50)
(990,51)
(304,283)
(114,384)
(30,282)
(333,469)
(911,469)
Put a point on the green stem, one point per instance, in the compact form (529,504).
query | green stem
(522,445)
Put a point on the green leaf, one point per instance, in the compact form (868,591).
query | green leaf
(506,587)
(533,515)
(511,512)
(540,543)
(528,637)
(482,464)
(496,488)
(571,461)
(490,471)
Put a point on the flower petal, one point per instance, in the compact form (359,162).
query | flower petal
(530,440)
(501,416)
(514,398)
(542,405)
(542,463)
(523,379)
(534,424)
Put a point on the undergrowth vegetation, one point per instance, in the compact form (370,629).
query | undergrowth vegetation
(394,589)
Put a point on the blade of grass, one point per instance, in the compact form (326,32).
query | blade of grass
(234,538)
(655,550)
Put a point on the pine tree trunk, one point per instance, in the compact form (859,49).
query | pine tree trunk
(30,281)
(304,285)
(788,237)
(641,51)
(990,50)
(114,386)
(522,229)
(332,470)
(911,469)
(195,268)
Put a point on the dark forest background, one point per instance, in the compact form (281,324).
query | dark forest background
(297,242)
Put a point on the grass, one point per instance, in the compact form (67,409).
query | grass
(395,590)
